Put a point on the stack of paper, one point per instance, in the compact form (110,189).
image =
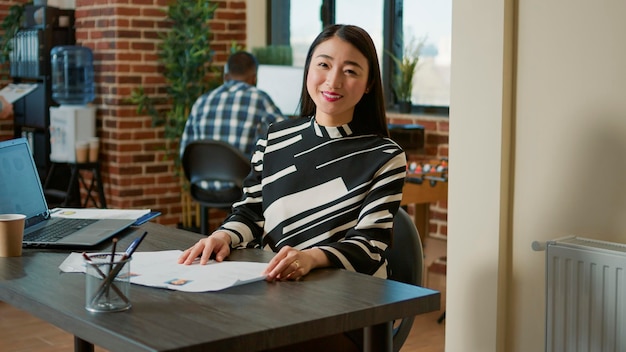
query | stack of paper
(161,269)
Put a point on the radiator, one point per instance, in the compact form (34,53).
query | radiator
(585,295)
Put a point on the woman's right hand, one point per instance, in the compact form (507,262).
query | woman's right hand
(217,243)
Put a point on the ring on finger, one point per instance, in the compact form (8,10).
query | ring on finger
(297,264)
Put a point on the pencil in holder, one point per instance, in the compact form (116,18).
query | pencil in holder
(107,282)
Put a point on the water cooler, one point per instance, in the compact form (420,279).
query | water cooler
(73,88)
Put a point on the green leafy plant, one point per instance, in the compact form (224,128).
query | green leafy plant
(274,55)
(186,58)
(10,26)
(235,47)
(406,67)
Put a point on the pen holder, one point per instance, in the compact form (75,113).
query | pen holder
(107,283)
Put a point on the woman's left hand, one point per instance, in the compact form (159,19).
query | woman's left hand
(292,264)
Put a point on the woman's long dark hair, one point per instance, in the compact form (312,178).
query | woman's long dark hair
(369,113)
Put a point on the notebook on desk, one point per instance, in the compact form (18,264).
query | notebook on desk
(21,193)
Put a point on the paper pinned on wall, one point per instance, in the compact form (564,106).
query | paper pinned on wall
(15,91)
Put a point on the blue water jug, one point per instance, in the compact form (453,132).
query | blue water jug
(72,75)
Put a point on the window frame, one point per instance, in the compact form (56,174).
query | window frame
(278,33)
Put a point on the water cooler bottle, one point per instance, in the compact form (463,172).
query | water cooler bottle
(72,87)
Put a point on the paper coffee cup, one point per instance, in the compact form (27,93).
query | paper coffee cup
(82,152)
(94,149)
(11,234)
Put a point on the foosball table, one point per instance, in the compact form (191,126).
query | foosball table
(426,183)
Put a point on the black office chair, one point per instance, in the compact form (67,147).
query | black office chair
(215,171)
(405,258)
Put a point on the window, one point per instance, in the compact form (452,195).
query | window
(304,27)
(430,20)
(367,14)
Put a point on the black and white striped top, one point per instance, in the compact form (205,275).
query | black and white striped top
(325,187)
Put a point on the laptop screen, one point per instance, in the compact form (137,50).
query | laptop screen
(20,187)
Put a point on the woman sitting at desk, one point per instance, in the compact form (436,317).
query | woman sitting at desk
(324,187)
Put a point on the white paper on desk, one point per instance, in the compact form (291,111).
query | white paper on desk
(96,213)
(14,91)
(161,269)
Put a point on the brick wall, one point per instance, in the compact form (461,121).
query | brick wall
(124,36)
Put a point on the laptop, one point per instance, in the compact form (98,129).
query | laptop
(21,193)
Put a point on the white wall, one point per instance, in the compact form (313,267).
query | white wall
(480,117)
(565,106)
(256,24)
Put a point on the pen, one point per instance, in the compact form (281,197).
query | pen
(113,252)
(133,246)
(102,275)
(112,259)
(113,273)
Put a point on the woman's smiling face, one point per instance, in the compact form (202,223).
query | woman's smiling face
(336,81)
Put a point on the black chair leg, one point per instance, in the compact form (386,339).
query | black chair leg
(204,220)
(441,317)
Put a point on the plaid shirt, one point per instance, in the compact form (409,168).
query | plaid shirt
(235,112)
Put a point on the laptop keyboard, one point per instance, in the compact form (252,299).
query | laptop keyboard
(58,230)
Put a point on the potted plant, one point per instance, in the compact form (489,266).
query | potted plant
(406,66)
(186,57)
(10,26)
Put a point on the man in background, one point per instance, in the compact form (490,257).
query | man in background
(237,112)
(6,108)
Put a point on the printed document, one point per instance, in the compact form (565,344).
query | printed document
(161,269)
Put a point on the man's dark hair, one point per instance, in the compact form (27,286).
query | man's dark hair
(241,63)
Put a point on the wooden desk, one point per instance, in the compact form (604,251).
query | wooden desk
(250,317)
(422,195)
